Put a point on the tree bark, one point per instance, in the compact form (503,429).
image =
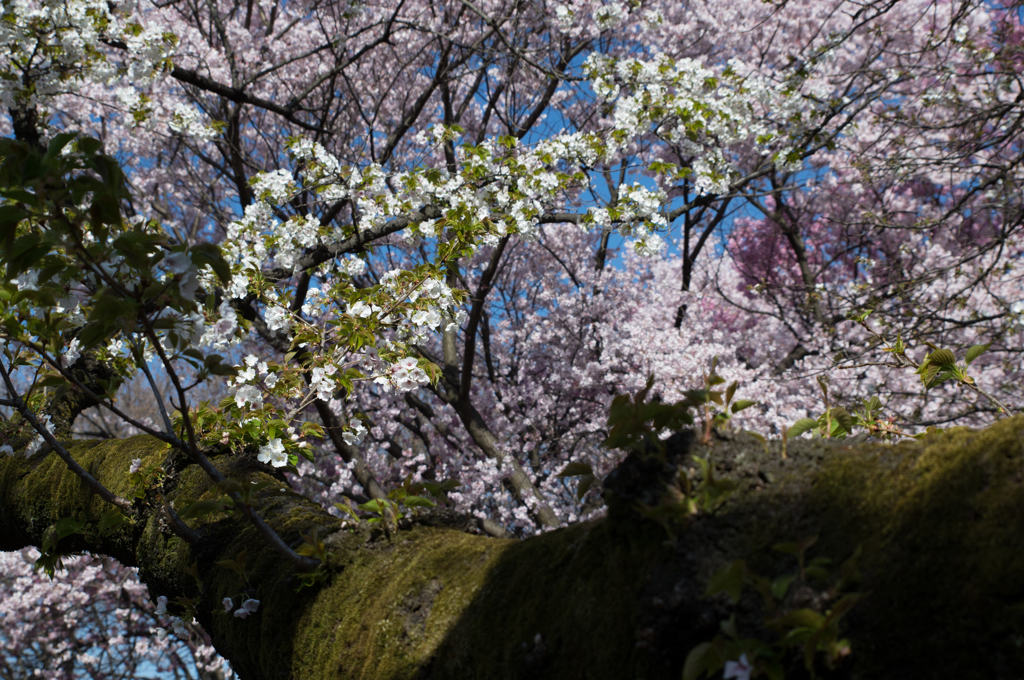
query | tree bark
(939,524)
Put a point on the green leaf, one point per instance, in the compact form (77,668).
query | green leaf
(109,307)
(823,384)
(58,143)
(66,324)
(845,604)
(194,353)
(16,253)
(209,254)
(976,351)
(800,618)
(66,526)
(24,260)
(10,217)
(781,586)
(372,506)
(198,509)
(817,572)
(229,564)
(344,507)
(848,569)
(641,394)
(110,521)
(728,627)
(215,365)
(730,392)
(788,548)
(700,661)
(801,426)
(193,571)
(842,416)
(105,209)
(586,482)
(742,404)
(705,467)
(773,669)
(164,323)
(729,580)
(252,428)
(230,485)
(437,490)
(576,469)
(941,357)
(756,435)
(89,145)
(137,247)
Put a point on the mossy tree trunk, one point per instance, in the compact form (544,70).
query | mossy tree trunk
(940,524)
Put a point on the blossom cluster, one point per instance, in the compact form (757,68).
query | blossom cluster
(87,620)
(810,196)
(702,112)
(60,43)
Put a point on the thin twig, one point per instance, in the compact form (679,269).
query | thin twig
(178,526)
(907,362)
(141,359)
(193,451)
(168,438)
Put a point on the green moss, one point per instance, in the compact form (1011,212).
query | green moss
(564,604)
(465,606)
(386,613)
(944,521)
(941,522)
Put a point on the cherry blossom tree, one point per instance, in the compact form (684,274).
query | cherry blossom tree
(421,246)
(94,620)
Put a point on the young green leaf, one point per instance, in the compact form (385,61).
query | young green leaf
(702,659)
(576,469)
(801,426)
(941,358)
(741,404)
(976,351)
(729,580)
